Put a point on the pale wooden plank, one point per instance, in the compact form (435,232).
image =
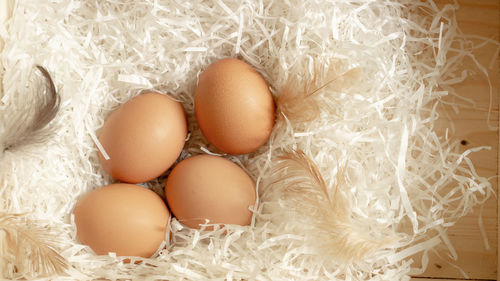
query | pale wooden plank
(479,17)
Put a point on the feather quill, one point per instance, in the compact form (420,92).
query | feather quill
(297,101)
(27,249)
(29,123)
(328,212)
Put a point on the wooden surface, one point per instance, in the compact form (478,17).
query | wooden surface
(477,17)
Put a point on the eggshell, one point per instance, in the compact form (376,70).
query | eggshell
(143,137)
(210,187)
(126,219)
(234,107)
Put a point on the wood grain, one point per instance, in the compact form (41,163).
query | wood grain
(472,126)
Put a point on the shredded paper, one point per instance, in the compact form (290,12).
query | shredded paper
(381,175)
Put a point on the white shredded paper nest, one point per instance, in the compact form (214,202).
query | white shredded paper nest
(374,141)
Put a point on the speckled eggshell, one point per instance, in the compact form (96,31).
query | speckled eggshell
(126,219)
(234,106)
(212,188)
(143,137)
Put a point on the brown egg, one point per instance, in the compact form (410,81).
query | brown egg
(210,187)
(234,107)
(143,137)
(126,219)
